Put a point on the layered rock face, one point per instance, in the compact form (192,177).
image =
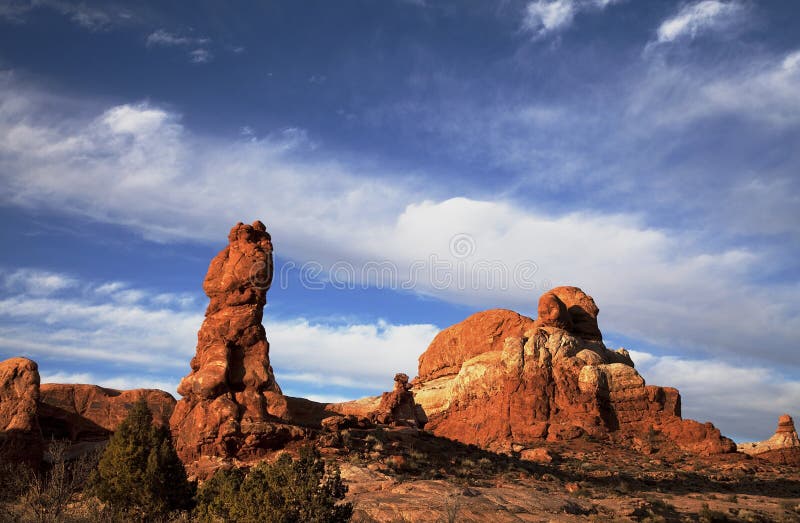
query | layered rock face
(231,402)
(511,381)
(20,435)
(783,447)
(85,413)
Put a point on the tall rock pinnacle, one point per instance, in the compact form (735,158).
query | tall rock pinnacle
(226,396)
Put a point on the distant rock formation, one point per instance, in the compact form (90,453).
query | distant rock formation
(32,414)
(20,435)
(231,402)
(783,447)
(86,413)
(397,407)
(500,380)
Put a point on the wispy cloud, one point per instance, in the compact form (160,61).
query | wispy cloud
(162,37)
(201,56)
(696,18)
(761,90)
(35,282)
(198,55)
(91,17)
(545,17)
(139,338)
(715,389)
(650,282)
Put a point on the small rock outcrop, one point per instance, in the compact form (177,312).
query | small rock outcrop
(231,401)
(500,380)
(783,447)
(87,413)
(397,407)
(20,435)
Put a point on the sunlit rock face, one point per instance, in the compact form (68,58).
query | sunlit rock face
(783,447)
(502,381)
(89,413)
(232,406)
(20,435)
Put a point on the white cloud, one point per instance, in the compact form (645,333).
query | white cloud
(761,90)
(135,120)
(90,17)
(200,56)
(664,286)
(348,355)
(162,37)
(143,343)
(743,401)
(97,329)
(544,17)
(695,18)
(35,282)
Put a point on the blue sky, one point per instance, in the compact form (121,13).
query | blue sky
(648,152)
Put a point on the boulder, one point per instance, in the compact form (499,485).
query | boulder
(582,311)
(537,455)
(552,312)
(20,435)
(231,404)
(555,380)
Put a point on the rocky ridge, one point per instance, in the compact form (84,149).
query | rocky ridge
(32,414)
(82,413)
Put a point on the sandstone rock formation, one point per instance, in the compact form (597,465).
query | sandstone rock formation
(500,381)
(783,447)
(83,413)
(20,435)
(397,407)
(582,312)
(473,336)
(231,403)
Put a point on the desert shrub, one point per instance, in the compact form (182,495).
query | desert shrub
(140,473)
(452,506)
(708,515)
(285,491)
(11,475)
(44,495)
